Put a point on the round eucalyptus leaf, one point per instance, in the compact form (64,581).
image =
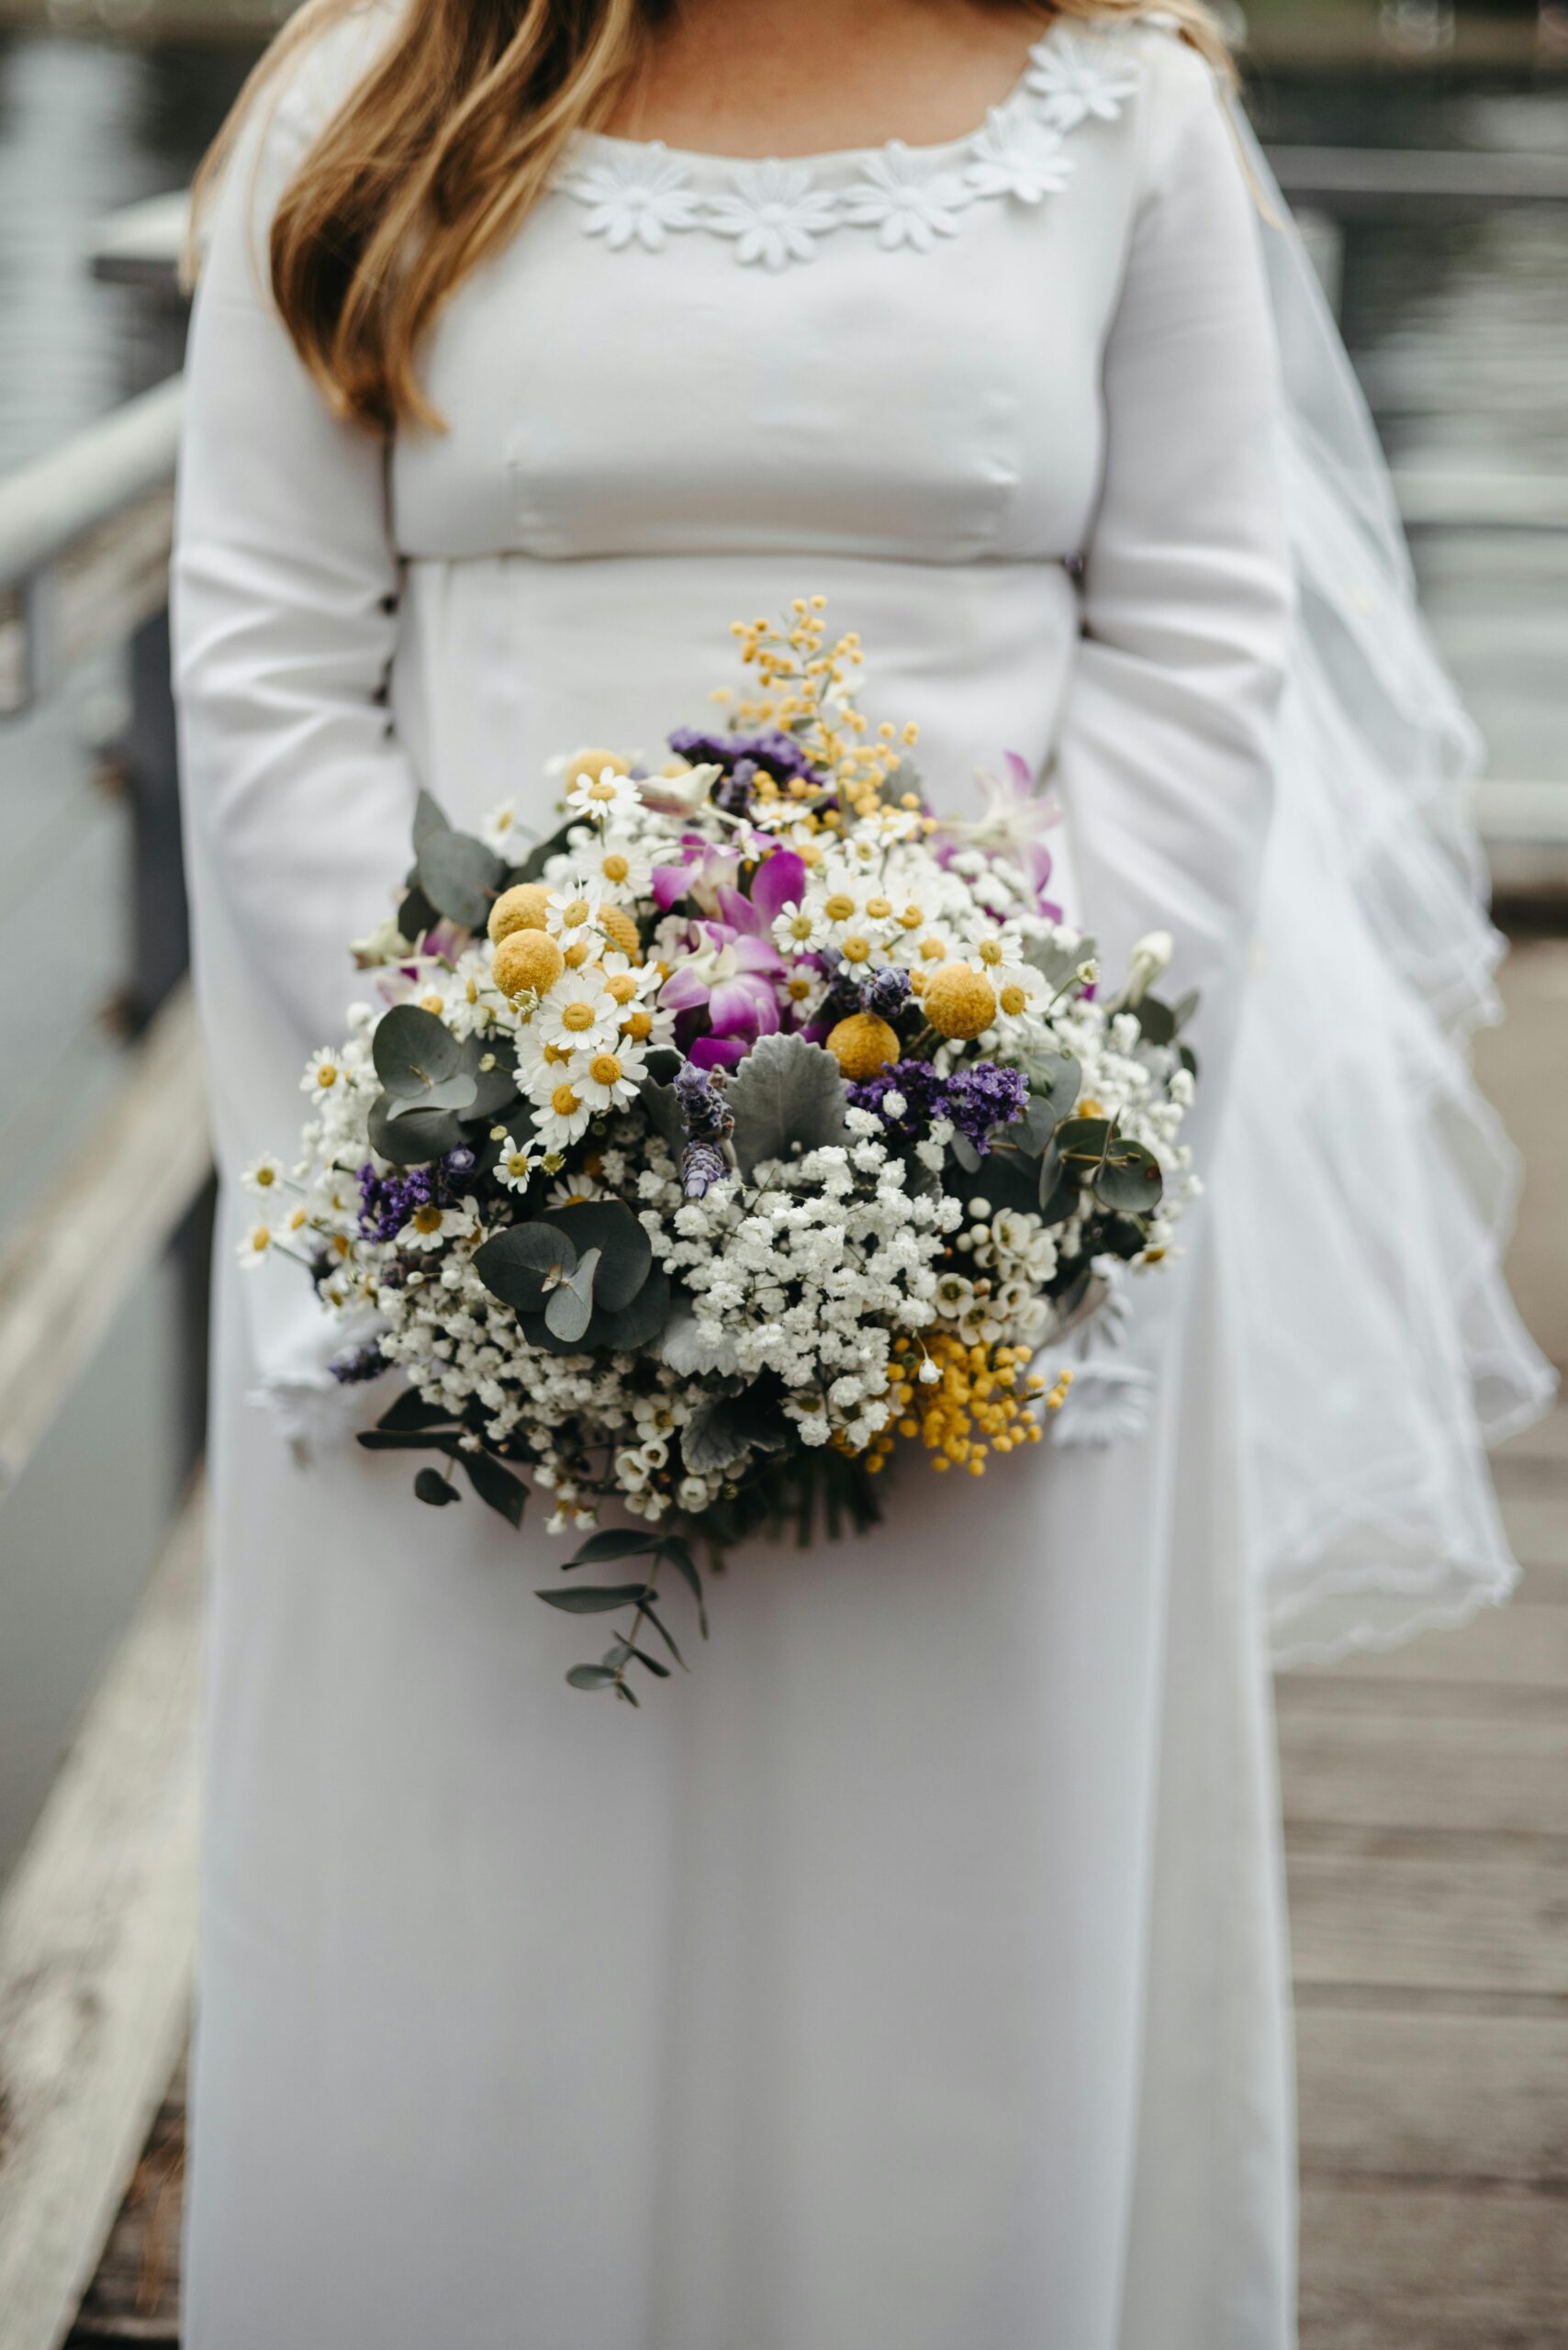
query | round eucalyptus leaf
(460,875)
(1055,1080)
(413,1050)
(411,1136)
(626,1253)
(1130,1181)
(495,1089)
(514,1264)
(640,1323)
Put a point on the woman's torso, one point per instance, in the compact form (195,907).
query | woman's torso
(692,388)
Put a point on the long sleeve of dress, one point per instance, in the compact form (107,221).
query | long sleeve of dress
(283,592)
(1165,756)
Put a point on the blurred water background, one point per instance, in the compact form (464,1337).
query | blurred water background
(1458,323)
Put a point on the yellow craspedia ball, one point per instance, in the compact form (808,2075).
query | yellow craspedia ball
(863,1044)
(957,1002)
(519,909)
(527,958)
(589,765)
(617,923)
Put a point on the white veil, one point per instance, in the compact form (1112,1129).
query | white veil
(1367,1188)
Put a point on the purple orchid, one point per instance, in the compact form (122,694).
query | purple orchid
(731,977)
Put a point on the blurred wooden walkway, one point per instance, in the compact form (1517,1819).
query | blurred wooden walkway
(1426,1835)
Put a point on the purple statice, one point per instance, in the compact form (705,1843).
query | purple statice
(386,1202)
(772,750)
(976,1099)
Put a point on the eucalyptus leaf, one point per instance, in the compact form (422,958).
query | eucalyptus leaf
(786,1095)
(568,1309)
(594,1599)
(460,875)
(495,1089)
(456,1092)
(538,855)
(637,1325)
(410,1410)
(626,1254)
(416,916)
(965,1152)
(1157,1022)
(1130,1181)
(592,1677)
(414,1051)
(430,1486)
(1055,1081)
(408,1440)
(429,817)
(615,1542)
(411,1137)
(677,1550)
(496,1486)
(514,1264)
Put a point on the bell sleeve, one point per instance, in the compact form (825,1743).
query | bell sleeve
(284,591)
(1165,758)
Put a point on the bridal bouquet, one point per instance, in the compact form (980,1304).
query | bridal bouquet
(757,1120)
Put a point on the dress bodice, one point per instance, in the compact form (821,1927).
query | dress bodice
(888,353)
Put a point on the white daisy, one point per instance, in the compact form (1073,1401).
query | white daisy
(562,1116)
(774,213)
(622,869)
(905,200)
(514,1168)
(604,796)
(263,1176)
(579,1012)
(431,1227)
(324,1072)
(638,193)
(538,1056)
(255,1247)
(1018,157)
(501,830)
(571,912)
(1075,78)
(802,929)
(608,1078)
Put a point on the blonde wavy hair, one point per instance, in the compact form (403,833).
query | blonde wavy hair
(436,158)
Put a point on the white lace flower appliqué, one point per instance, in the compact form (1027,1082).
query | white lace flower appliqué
(640,195)
(1072,79)
(1026,159)
(774,213)
(904,200)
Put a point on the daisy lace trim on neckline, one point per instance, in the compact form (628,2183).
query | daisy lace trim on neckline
(774,212)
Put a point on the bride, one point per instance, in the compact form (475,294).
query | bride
(912,1977)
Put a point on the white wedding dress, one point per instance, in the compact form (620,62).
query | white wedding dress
(911,1976)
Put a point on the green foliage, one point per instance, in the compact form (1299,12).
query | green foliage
(788,1098)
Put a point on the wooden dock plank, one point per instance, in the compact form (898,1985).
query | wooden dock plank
(1392,2267)
(1464,1913)
(1366,1768)
(1474,2100)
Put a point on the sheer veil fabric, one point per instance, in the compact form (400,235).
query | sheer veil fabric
(1368,1191)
